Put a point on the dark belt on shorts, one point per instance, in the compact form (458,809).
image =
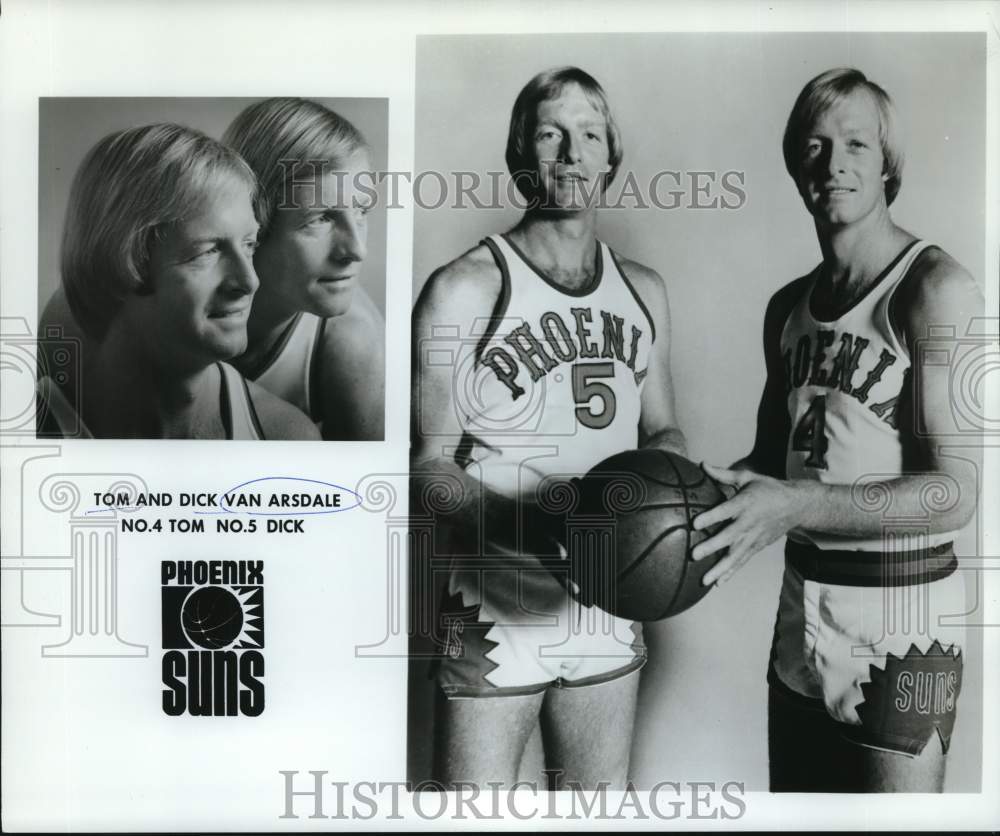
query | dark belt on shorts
(867,568)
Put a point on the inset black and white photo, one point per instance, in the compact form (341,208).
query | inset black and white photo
(211,268)
(628,240)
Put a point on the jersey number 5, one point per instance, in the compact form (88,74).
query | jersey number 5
(587,384)
(810,434)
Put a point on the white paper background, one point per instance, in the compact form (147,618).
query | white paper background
(85,743)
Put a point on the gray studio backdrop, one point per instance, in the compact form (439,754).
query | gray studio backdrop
(713,103)
(69,127)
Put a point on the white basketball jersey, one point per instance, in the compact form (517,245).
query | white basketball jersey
(848,381)
(238,413)
(552,381)
(289,368)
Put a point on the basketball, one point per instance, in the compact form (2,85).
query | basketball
(631,535)
(212,617)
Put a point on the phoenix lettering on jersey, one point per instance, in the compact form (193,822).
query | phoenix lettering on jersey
(554,342)
(821,359)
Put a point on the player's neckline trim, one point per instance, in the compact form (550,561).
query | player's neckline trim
(878,281)
(225,403)
(585,290)
(268,358)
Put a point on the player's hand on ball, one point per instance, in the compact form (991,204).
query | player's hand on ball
(762,510)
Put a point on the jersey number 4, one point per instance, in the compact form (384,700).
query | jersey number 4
(810,434)
(586,384)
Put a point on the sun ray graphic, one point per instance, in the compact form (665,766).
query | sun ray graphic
(251,634)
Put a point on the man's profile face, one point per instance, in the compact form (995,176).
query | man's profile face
(202,279)
(571,148)
(312,255)
(840,175)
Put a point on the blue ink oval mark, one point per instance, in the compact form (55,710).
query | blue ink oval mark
(308,502)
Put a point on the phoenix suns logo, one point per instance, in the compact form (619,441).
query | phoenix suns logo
(213,637)
(913,696)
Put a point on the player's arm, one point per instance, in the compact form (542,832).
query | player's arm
(657,420)
(279,419)
(773,423)
(352,373)
(454,297)
(939,293)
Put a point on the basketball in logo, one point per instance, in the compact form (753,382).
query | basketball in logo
(212,617)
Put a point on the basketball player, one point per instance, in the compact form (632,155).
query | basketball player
(315,337)
(157,270)
(865,668)
(564,360)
